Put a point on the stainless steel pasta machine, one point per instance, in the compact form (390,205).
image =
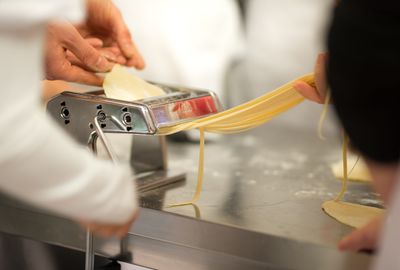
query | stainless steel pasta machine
(89,116)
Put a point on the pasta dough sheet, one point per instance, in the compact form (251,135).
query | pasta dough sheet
(358,170)
(120,84)
(354,215)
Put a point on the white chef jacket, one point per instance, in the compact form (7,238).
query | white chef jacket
(39,163)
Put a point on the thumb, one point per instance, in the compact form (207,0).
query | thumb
(308,91)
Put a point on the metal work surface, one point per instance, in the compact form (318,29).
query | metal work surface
(161,240)
(271,180)
(260,208)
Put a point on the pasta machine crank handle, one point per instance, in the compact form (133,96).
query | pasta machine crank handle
(90,254)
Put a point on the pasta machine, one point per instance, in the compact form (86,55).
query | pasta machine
(89,116)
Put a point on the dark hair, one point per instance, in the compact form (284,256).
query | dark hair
(364,76)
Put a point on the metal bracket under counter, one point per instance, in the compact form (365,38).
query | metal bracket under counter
(161,240)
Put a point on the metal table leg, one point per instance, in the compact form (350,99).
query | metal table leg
(89,255)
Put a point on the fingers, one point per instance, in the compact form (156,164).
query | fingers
(132,62)
(308,91)
(84,51)
(121,59)
(71,73)
(79,75)
(103,230)
(95,42)
(108,230)
(357,240)
(109,56)
(59,68)
(113,54)
(364,238)
(104,19)
(319,92)
(122,231)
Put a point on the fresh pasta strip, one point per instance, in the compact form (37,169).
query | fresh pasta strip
(323,115)
(240,119)
(345,171)
(119,84)
(248,115)
(200,175)
(359,172)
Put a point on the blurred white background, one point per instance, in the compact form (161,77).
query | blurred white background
(239,49)
(257,44)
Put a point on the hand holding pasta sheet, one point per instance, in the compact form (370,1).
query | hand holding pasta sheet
(72,58)
(77,53)
(105,21)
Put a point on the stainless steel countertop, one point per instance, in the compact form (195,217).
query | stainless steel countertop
(271,180)
(262,193)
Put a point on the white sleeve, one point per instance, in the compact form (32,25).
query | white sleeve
(25,13)
(39,163)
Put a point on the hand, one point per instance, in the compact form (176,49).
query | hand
(365,238)
(112,54)
(75,54)
(318,93)
(72,58)
(108,230)
(105,22)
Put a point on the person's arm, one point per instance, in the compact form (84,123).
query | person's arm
(39,163)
